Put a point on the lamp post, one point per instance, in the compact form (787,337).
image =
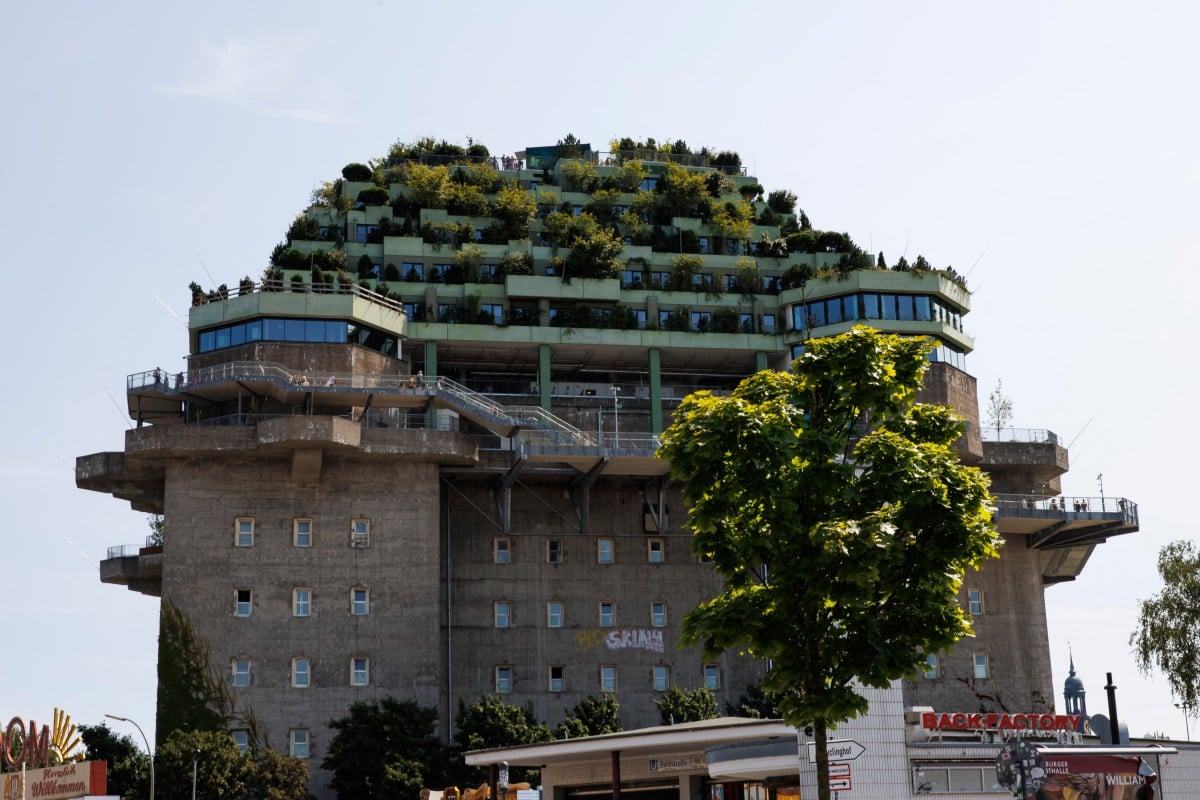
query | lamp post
(502,781)
(1185,708)
(616,391)
(149,752)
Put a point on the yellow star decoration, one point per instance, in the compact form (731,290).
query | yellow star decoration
(64,740)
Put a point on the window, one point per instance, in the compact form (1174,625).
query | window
(702,320)
(712,677)
(608,614)
(412,271)
(360,533)
(554,551)
(301,672)
(948,778)
(241,738)
(298,742)
(241,605)
(608,678)
(658,614)
(557,680)
(503,680)
(639,318)
(604,551)
(702,281)
(660,279)
(243,532)
(438,272)
(931,666)
(654,550)
(501,550)
(363,232)
(360,671)
(302,532)
(662,678)
(359,601)
(768,323)
(631,279)
(496,310)
(974,602)
(241,672)
(502,612)
(702,241)
(982,667)
(301,602)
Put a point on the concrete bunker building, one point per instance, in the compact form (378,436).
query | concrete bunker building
(436,479)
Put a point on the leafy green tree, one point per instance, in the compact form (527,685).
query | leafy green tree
(490,722)
(128,766)
(386,749)
(840,517)
(591,717)
(677,705)
(1168,633)
(223,772)
(515,208)
(999,409)
(274,776)
(755,702)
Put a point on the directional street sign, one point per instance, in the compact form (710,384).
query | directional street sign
(839,750)
(839,770)
(839,784)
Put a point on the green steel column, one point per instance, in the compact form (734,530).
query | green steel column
(760,361)
(431,371)
(544,376)
(656,415)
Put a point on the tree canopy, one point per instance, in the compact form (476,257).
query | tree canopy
(1168,633)
(591,716)
(840,517)
(128,766)
(386,749)
(676,705)
(490,722)
(223,772)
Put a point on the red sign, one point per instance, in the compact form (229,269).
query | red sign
(1090,776)
(56,783)
(22,744)
(961,721)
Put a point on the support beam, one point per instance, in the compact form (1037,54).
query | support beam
(581,492)
(502,490)
(431,371)
(543,376)
(656,410)
(654,492)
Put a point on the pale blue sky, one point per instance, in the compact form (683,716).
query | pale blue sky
(1048,150)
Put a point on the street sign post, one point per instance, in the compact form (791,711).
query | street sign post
(838,749)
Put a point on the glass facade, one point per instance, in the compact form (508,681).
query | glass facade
(278,329)
(873,305)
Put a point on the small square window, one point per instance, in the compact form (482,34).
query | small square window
(241,738)
(654,550)
(608,614)
(360,671)
(301,673)
(930,669)
(604,551)
(554,614)
(982,667)
(557,679)
(658,614)
(302,532)
(243,532)
(501,550)
(712,677)
(242,605)
(360,601)
(502,612)
(503,680)
(662,678)
(608,678)
(554,554)
(974,602)
(298,744)
(301,602)
(241,672)
(360,533)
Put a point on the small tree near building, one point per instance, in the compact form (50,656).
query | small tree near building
(676,706)
(999,409)
(841,519)
(591,717)
(1168,633)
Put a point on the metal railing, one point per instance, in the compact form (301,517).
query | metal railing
(279,285)
(1027,435)
(1025,504)
(124,550)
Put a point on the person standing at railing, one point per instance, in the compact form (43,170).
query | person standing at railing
(421,378)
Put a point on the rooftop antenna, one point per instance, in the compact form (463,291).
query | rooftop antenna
(212,280)
(120,411)
(83,553)
(171,311)
(907,237)
(1081,430)
(976,264)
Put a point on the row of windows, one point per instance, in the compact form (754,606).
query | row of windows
(299,741)
(606,549)
(302,602)
(873,305)
(502,614)
(660,678)
(302,671)
(302,532)
(275,329)
(981,666)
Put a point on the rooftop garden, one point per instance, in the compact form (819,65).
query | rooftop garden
(585,206)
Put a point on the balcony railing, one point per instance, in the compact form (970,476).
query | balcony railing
(124,550)
(1024,505)
(1026,435)
(279,286)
